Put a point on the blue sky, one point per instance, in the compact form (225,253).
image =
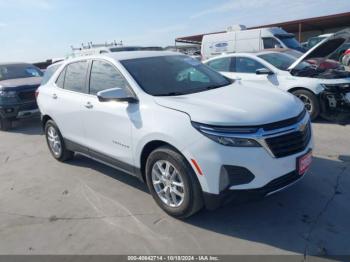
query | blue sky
(34,30)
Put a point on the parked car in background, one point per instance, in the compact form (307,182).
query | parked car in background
(318,62)
(251,40)
(338,54)
(18,83)
(323,91)
(312,41)
(195,137)
(346,58)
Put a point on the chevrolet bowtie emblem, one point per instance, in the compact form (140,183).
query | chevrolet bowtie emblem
(302,127)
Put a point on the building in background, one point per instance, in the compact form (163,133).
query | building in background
(302,28)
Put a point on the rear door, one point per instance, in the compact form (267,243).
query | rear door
(67,99)
(108,125)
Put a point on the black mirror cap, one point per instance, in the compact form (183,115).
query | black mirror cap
(131,100)
(263,71)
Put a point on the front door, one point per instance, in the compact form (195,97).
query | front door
(108,125)
(244,69)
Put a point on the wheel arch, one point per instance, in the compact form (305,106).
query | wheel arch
(148,148)
(44,120)
(293,89)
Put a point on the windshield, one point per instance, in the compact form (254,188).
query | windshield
(283,61)
(14,71)
(289,41)
(173,75)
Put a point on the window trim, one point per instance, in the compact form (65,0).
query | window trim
(247,57)
(64,71)
(230,66)
(128,86)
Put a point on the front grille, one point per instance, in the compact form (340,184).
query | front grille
(290,143)
(27,95)
(285,123)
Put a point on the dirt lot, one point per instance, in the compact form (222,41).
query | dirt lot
(84,207)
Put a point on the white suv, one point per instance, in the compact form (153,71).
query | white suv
(194,136)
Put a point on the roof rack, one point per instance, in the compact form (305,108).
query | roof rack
(91,45)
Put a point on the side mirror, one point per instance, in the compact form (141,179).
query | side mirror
(278,46)
(263,71)
(116,94)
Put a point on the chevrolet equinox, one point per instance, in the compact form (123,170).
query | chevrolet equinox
(195,137)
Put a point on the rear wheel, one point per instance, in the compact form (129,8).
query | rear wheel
(310,101)
(5,124)
(173,183)
(56,143)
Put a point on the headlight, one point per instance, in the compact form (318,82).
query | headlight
(8,94)
(228,136)
(334,87)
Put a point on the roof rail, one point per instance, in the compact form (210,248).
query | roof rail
(91,45)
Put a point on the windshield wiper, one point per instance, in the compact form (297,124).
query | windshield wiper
(215,86)
(171,94)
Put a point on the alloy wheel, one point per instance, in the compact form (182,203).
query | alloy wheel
(54,141)
(307,102)
(167,183)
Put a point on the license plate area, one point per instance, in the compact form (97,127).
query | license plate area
(304,163)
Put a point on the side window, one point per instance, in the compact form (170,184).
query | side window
(105,76)
(247,65)
(76,76)
(221,64)
(270,42)
(49,72)
(60,79)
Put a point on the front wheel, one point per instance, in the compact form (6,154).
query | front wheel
(56,143)
(173,183)
(310,101)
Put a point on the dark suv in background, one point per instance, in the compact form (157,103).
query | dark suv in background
(18,83)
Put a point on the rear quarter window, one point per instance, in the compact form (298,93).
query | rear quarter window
(75,77)
(48,73)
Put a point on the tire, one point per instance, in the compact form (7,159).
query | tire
(182,173)
(310,101)
(52,132)
(5,124)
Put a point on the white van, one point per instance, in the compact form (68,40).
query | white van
(237,39)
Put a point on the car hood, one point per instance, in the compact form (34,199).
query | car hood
(324,48)
(14,84)
(236,105)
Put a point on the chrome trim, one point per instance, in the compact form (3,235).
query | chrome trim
(285,187)
(260,135)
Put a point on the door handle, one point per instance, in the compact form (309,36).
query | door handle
(54,96)
(88,105)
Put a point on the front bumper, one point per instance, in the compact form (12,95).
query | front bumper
(19,111)
(213,201)
(230,171)
(335,104)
